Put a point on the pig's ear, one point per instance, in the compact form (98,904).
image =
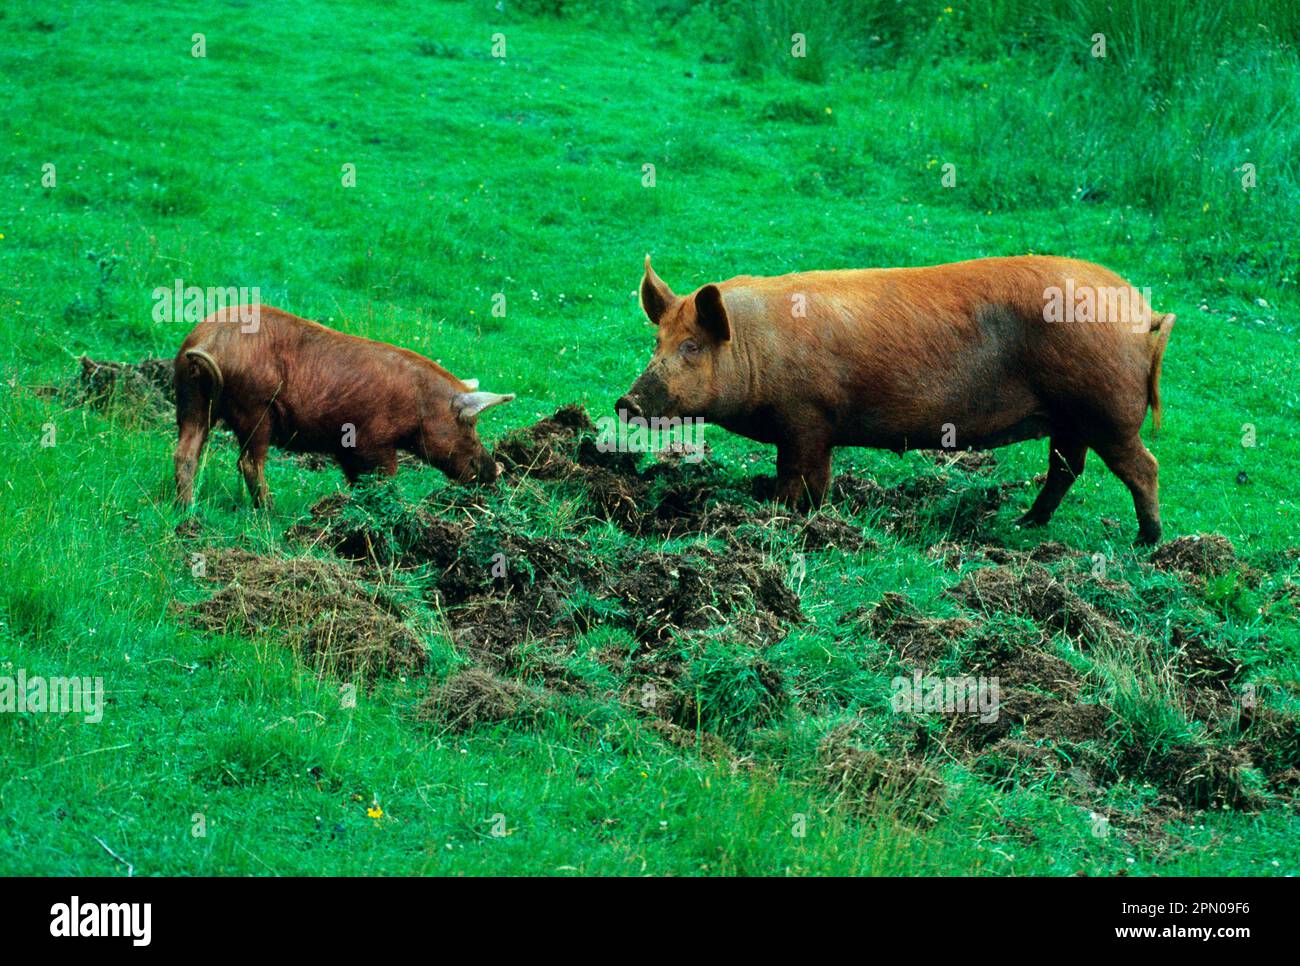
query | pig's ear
(467,405)
(711,314)
(656,297)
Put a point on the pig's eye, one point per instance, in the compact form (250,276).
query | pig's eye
(689,348)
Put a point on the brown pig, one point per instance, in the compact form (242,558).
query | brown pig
(975,354)
(276,379)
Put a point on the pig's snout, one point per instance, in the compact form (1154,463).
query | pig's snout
(628,406)
(483,470)
(488,469)
(647,397)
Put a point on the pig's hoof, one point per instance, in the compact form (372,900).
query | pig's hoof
(1147,537)
(764,488)
(1031,520)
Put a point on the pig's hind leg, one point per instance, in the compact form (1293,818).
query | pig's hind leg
(252,465)
(189,447)
(1065,464)
(1133,463)
(194,420)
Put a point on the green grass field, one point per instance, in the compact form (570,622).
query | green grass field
(1153,704)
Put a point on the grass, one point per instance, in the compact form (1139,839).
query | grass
(477,176)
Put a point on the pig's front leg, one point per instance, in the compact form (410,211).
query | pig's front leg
(803,471)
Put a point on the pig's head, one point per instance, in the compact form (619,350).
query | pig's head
(692,372)
(457,450)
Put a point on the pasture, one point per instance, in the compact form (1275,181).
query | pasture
(612,665)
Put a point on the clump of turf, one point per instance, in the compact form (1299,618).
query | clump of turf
(145,388)
(917,641)
(1041,595)
(319,607)
(865,780)
(1198,556)
(473,696)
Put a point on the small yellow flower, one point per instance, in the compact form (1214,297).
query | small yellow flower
(374,811)
(829,111)
(1204,207)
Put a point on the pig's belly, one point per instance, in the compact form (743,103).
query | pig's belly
(987,423)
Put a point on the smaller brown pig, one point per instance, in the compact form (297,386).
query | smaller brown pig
(276,379)
(974,354)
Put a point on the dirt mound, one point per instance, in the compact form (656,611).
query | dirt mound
(1037,593)
(670,498)
(666,594)
(916,640)
(1199,775)
(514,636)
(476,695)
(1199,557)
(700,619)
(1060,721)
(1049,551)
(1207,671)
(147,386)
(468,556)
(559,447)
(564,446)
(1026,703)
(1008,760)
(704,743)
(320,607)
(365,525)
(1272,738)
(742,524)
(514,602)
(500,585)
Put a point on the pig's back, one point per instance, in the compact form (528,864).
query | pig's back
(931,344)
